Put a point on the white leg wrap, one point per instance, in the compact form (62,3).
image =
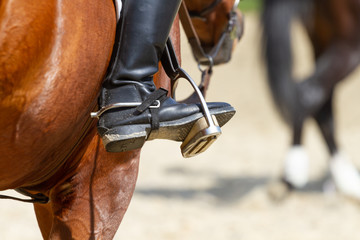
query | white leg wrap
(296,166)
(345,175)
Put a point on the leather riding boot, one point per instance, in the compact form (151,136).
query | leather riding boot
(131,109)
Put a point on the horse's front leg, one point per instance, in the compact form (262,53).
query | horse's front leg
(91,203)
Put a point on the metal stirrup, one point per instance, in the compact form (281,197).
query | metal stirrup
(201,136)
(174,71)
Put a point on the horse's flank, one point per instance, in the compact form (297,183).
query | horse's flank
(52,59)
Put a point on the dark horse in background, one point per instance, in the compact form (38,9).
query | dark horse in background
(333,30)
(53,58)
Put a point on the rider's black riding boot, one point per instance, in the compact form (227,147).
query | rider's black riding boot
(133,110)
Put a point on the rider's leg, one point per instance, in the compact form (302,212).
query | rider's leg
(145,28)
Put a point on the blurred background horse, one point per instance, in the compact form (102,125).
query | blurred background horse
(53,58)
(333,30)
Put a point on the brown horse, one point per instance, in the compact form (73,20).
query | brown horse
(332,27)
(53,58)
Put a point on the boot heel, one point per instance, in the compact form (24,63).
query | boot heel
(200,137)
(124,138)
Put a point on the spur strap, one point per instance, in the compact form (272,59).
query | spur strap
(152,102)
(155,104)
(158,95)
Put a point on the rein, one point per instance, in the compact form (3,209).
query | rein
(194,41)
(33,198)
(200,55)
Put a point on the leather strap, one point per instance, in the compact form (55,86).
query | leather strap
(34,198)
(158,95)
(210,57)
(192,36)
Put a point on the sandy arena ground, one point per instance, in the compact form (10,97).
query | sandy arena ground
(223,193)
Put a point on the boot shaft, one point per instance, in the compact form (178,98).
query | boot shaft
(141,37)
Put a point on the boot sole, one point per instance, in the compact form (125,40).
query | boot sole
(130,137)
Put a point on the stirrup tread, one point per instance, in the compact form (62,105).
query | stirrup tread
(200,137)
